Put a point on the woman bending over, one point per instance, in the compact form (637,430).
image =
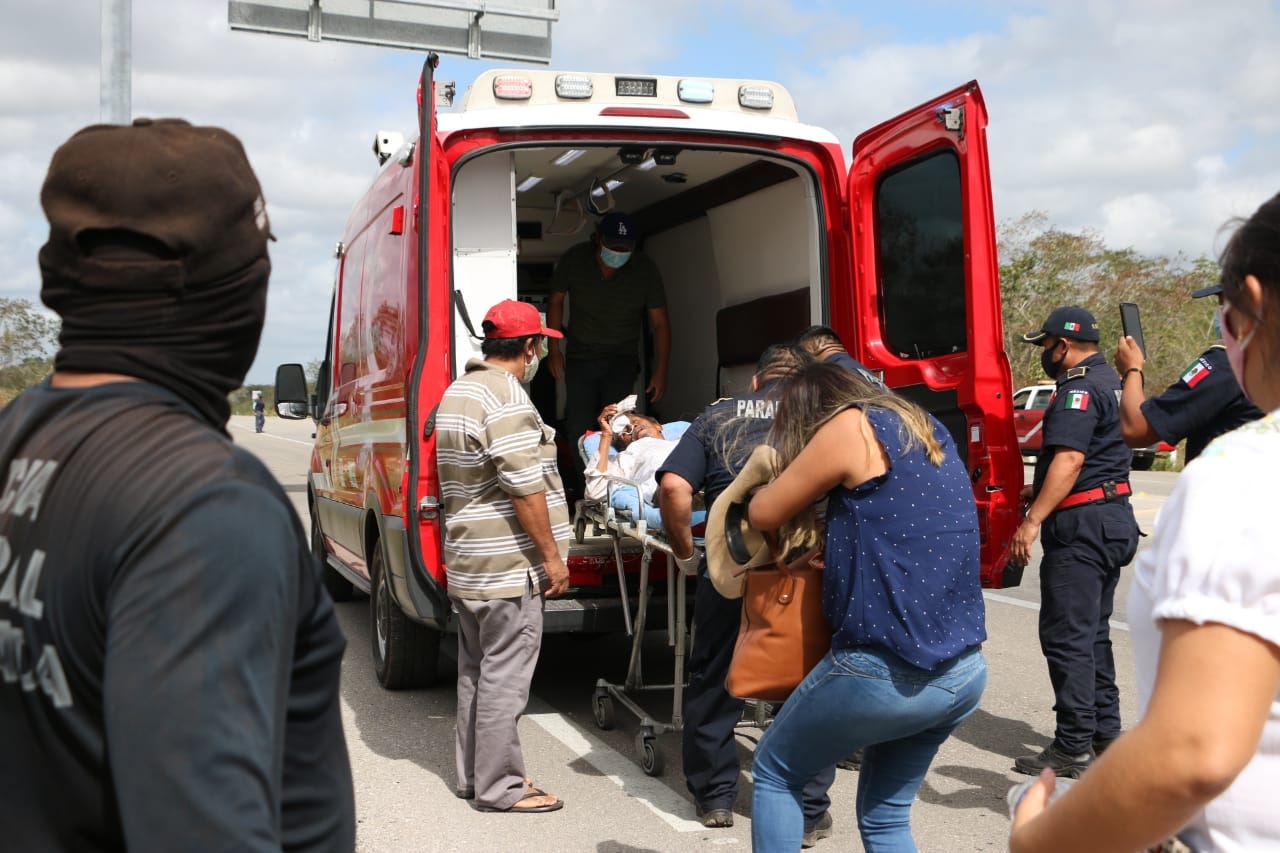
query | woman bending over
(901,592)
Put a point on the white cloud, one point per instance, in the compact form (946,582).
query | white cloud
(1151,122)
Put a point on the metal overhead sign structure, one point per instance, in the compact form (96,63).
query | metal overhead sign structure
(510,29)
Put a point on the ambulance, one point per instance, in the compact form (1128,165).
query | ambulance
(759,225)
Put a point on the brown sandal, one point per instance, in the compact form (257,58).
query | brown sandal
(531,794)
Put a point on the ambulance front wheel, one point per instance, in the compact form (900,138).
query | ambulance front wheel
(405,654)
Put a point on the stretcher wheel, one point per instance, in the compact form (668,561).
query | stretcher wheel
(602,705)
(650,755)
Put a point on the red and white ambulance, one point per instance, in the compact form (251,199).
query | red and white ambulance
(759,227)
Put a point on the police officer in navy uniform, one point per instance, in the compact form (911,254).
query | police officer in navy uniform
(1079,507)
(708,457)
(1203,404)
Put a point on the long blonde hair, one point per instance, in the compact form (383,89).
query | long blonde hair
(812,396)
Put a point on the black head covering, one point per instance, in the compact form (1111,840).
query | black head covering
(157,257)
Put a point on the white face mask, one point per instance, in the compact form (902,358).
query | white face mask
(1235,348)
(531,369)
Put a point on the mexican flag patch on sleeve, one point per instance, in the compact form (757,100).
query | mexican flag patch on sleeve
(1194,374)
(1077,400)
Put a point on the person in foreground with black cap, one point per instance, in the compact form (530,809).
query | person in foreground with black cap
(1205,402)
(505,543)
(170,659)
(1079,508)
(611,288)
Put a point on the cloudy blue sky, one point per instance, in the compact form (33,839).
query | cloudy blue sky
(1150,122)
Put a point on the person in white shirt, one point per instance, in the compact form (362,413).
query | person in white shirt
(641,447)
(1204,761)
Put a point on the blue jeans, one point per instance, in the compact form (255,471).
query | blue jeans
(861,698)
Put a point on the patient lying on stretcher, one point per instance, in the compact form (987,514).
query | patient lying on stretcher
(641,445)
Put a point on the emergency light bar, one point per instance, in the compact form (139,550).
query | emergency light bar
(503,88)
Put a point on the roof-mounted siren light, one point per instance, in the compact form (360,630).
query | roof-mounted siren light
(386,143)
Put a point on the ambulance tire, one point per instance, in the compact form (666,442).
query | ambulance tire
(405,654)
(338,587)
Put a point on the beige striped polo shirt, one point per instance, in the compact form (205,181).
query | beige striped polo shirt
(491,444)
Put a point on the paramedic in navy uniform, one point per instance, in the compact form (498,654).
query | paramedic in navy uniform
(1203,404)
(708,457)
(1080,510)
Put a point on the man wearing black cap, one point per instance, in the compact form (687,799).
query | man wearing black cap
(169,658)
(1079,507)
(1205,402)
(611,288)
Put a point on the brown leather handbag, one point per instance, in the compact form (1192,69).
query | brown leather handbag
(784,633)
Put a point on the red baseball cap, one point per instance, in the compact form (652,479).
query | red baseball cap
(512,319)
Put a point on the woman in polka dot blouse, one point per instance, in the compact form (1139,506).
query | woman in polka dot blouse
(901,593)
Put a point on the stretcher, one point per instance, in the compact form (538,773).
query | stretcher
(623,515)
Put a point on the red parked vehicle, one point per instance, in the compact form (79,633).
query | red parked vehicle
(758,227)
(1028,412)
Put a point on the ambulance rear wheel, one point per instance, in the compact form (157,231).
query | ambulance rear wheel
(405,654)
(340,589)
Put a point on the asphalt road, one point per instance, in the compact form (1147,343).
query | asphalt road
(401,743)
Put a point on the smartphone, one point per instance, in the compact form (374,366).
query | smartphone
(1131,324)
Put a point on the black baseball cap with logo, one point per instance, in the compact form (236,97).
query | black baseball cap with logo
(1069,321)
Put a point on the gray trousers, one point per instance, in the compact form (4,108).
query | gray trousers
(498,645)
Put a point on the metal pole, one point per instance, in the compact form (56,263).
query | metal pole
(117,62)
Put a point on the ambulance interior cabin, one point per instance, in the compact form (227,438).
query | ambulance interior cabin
(735,234)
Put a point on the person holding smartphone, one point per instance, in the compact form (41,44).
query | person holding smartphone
(1204,615)
(1204,403)
(1079,509)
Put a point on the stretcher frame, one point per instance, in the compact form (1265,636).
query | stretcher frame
(618,524)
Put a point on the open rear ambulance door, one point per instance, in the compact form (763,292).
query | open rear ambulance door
(425,597)
(926,300)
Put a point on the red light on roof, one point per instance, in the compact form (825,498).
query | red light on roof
(644,112)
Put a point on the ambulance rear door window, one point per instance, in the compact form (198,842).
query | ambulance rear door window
(920,238)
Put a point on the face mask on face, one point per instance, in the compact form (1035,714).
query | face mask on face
(531,369)
(1052,366)
(1235,348)
(613,259)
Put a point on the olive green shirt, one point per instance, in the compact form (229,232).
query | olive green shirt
(606,317)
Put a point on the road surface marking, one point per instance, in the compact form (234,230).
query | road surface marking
(619,769)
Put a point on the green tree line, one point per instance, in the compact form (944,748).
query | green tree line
(1042,267)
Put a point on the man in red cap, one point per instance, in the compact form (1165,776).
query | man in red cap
(506,539)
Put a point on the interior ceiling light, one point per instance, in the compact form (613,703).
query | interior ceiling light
(568,157)
(528,183)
